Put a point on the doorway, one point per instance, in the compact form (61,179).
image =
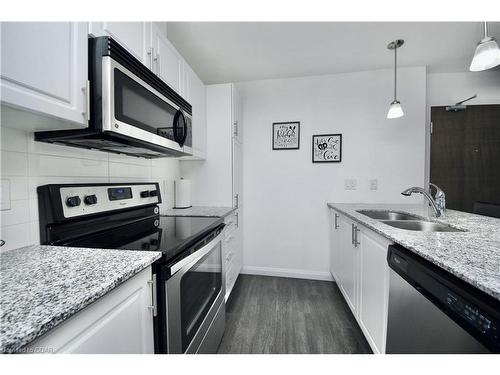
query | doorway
(465,157)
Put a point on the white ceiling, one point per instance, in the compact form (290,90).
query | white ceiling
(238,51)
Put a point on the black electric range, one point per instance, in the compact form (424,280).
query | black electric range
(128,222)
(170,235)
(188,302)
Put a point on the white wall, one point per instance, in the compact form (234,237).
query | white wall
(26,164)
(449,88)
(285,194)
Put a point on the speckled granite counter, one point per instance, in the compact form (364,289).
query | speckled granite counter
(205,211)
(473,256)
(41,286)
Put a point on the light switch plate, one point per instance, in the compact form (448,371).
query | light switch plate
(5,194)
(350,184)
(374,184)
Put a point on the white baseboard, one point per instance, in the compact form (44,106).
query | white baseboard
(287,272)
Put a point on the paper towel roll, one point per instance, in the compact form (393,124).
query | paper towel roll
(182,193)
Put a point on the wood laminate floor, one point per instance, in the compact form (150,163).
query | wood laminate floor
(282,315)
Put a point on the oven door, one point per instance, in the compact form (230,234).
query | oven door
(195,311)
(133,108)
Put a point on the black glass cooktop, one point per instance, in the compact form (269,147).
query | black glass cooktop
(168,234)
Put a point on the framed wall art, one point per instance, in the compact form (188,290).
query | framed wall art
(327,148)
(286,135)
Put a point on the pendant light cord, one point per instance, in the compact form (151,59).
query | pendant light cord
(395,70)
(485,29)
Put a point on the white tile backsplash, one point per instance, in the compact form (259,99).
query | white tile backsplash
(27,164)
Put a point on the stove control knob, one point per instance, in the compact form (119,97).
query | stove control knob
(153,193)
(73,201)
(90,199)
(144,194)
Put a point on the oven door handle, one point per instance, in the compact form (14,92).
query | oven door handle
(196,256)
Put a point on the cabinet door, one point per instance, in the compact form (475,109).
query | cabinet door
(374,286)
(44,68)
(134,36)
(119,322)
(335,246)
(236,115)
(197,98)
(237,174)
(167,61)
(349,257)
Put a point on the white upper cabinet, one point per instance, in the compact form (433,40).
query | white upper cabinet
(236,113)
(167,62)
(196,95)
(44,68)
(134,36)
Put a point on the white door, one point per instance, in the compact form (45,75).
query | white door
(336,243)
(237,174)
(44,68)
(119,322)
(373,288)
(197,96)
(236,115)
(349,264)
(167,63)
(134,36)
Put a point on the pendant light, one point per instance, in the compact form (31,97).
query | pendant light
(487,53)
(395,110)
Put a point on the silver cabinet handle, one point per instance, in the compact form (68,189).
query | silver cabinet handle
(356,231)
(236,200)
(235,124)
(237,219)
(158,65)
(86,90)
(150,54)
(352,234)
(153,306)
(336,221)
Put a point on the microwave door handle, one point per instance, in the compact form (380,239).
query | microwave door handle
(185,131)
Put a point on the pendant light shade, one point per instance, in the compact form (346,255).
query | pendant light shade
(487,53)
(395,109)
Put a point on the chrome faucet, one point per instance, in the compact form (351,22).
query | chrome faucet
(437,202)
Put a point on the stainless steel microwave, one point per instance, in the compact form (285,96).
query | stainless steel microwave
(132,111)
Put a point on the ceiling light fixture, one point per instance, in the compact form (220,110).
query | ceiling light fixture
(395,110)
(487,53)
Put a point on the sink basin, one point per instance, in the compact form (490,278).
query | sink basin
(388,215)
(421,226)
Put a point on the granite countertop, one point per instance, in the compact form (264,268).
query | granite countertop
(41,286)
(473,255)
(205,211)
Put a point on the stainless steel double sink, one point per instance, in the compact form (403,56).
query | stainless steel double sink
(408,221)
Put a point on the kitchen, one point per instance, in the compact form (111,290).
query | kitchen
(263,195)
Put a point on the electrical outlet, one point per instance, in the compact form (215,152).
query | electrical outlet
(350,184)
(374,184)
(5,191)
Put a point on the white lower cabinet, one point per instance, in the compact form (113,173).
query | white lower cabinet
(119,322)
(359,266)
(231,245)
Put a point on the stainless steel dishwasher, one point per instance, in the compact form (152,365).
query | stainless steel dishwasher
(432,311)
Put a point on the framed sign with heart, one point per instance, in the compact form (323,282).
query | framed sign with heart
(327,148)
